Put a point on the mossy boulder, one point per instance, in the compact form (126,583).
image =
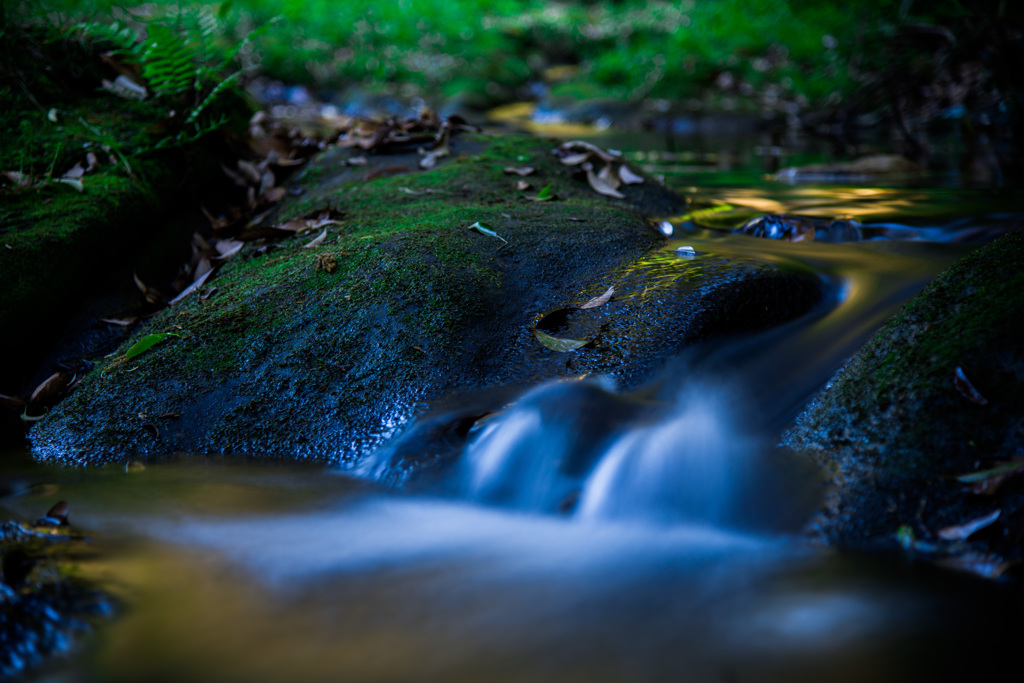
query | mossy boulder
(896,429)
(324,352)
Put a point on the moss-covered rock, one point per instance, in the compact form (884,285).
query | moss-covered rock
(894,429)
(323,352)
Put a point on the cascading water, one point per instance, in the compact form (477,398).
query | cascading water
(689,467)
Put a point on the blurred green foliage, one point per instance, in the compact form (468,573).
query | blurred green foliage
(817,53)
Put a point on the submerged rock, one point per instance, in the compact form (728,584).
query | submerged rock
(909,426)
(324,352)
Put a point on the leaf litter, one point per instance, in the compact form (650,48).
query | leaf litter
(605,170)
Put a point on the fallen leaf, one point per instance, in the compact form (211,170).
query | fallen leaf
(962,531)
(275,194)
(357,161)
(521,171)
(987,482)
(523,185)
(985,566)
(123,322)
(146,343)
(483,229)
(73,182)
(579,146)
(249,172)
(51,390)
(966,389)
(191,288)
(202,268)
(600,300)
(609,177)
(122,86)
(18,178)
(559,344)
(227,248)
(602,187)
(317,241)
(627,176)
(75,171)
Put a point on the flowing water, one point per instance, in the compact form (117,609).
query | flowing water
(586,534)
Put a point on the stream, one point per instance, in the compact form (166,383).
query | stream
(586,534)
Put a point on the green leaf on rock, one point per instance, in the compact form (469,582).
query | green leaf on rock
(146,343)
(545,193)
(558,343)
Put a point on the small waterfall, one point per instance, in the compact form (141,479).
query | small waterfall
(691,466)
(576,446)
(536,454)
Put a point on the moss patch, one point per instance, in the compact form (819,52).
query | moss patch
(894,428)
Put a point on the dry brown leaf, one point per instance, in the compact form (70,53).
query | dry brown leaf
(317,241)
(579,146)
(75,171)
(123,322)
(575,159)
(50,391)
(523,185)
(609,177)
(600,300)
(985,566)
(601,187)
(294,224)
(227,248)
(191,288)
(18,178)
(962,531)
(520,171)
(321,222)
(966,389)
(202,268)
(275,194)
(249,172)
(559,344)
(628,177)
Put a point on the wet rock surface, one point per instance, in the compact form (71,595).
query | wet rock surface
(42,610)
(324,352)
(908,428)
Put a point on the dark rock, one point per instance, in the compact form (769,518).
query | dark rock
(292,360)
(894,430)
